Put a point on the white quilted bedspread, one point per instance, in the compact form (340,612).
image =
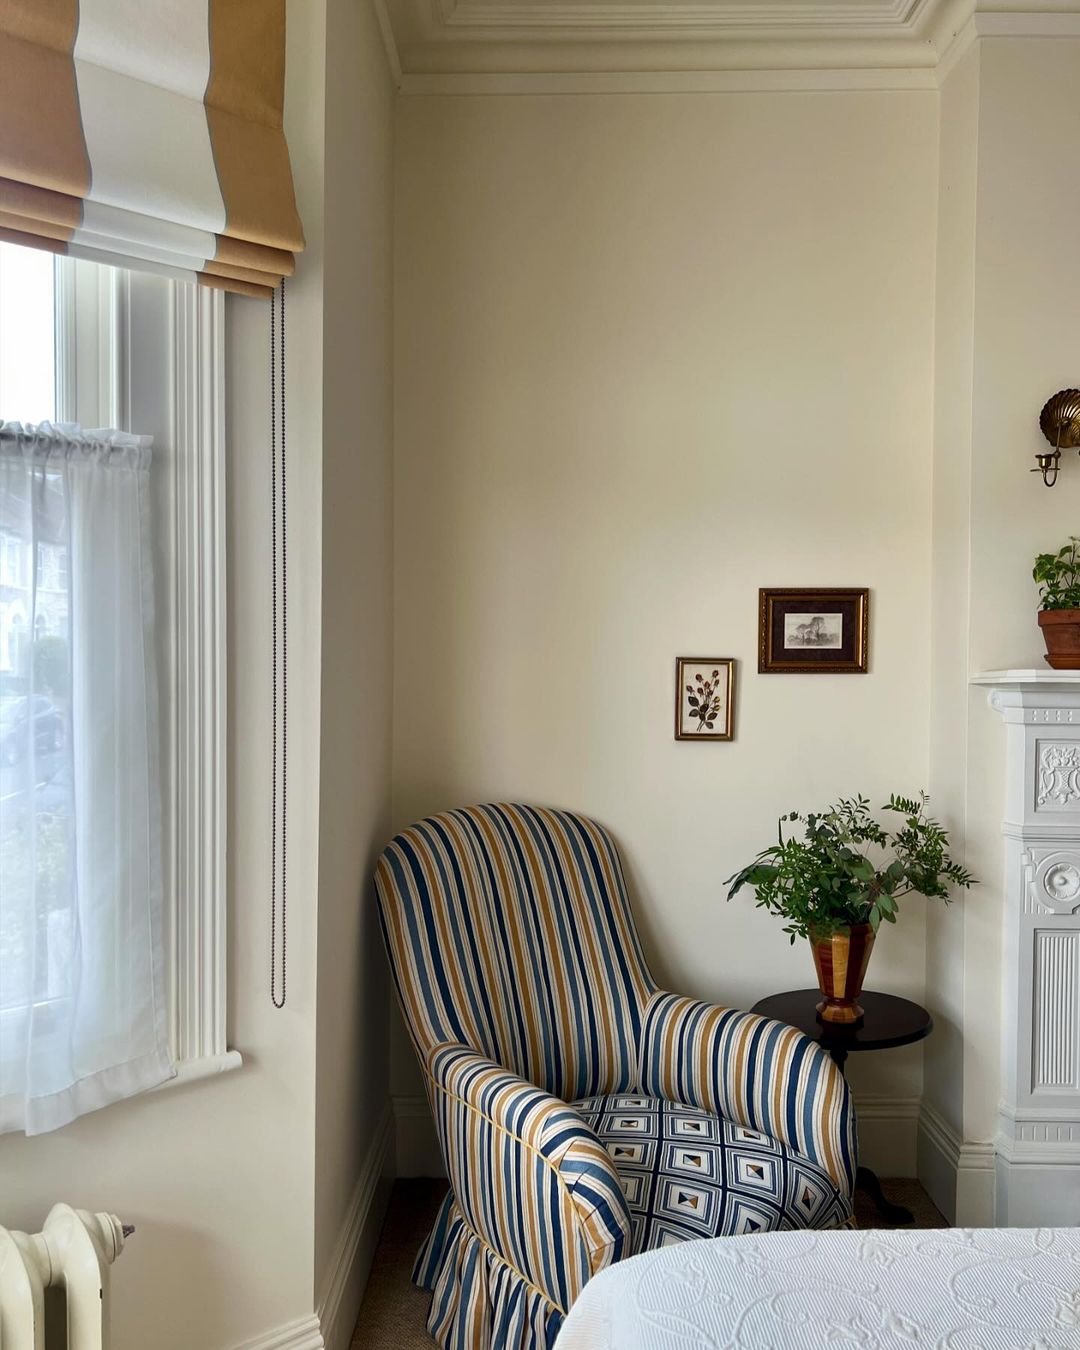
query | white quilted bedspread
(953,1289)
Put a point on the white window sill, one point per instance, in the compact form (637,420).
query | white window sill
(208,1066)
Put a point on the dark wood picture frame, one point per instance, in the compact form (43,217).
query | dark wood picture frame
(727,733)
(778,606)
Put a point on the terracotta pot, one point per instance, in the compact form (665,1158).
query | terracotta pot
(1061,633)
(841,968)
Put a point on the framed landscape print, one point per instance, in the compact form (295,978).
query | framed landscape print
(704,698)
(805,631)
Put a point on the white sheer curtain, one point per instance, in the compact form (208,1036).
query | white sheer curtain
(83,1004)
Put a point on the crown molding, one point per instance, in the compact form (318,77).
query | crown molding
(750,81)
(1028,23)
(468,47)
(750,49)
(955,49)
(386,29)
(498,18)
(1042,23)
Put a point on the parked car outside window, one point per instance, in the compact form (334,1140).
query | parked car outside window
(48,729)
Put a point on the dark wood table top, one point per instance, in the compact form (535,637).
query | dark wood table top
(889,1020)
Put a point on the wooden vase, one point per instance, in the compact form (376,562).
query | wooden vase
(841,962)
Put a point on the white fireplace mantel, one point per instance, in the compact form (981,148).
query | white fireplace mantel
(1037,675)
(1038,1142)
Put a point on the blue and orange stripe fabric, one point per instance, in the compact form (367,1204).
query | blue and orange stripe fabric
(764,1075)
(524,987)
(509,931)
(527,1143)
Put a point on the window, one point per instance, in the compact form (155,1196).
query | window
(27,335)
(11,559)
(101,347)
(52,568)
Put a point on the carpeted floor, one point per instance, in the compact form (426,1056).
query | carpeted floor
(393,1312)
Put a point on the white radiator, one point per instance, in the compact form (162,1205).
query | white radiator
(73,1251)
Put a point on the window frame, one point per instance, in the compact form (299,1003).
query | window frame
(122,337)
(196,794)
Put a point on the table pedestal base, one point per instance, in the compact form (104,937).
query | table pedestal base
(866,1180)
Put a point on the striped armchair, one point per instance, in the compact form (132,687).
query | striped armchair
(584,1114)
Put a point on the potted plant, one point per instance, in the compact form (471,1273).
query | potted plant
(833,893)
(1058,575)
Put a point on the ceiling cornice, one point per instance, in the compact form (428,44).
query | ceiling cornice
(693,22)
(386,29)
(666,46)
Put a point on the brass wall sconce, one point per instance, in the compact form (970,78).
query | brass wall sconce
(1060,424)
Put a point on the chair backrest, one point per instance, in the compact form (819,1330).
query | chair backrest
(509,931)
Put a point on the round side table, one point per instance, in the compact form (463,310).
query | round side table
(888,1021)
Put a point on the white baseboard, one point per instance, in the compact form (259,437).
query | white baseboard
(350,1265)
(1037,1195)
(418,1151)
(1038,1166)
(303,1334)
(938,1160)
(958,1176)
(331,1327)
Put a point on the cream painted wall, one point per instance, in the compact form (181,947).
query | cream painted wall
(951,566)
(354,793)
(237,1185)
(652,353)
(1019,264)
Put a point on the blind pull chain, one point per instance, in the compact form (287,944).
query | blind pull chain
(279,710)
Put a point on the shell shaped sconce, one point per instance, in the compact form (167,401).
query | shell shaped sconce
(1059,422)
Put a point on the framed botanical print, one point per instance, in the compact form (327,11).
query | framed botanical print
(704,698)
(805,631)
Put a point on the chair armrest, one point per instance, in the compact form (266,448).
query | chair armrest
(761,1074)
(531,1179)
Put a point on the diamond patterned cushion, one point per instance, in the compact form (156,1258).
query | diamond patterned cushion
(690,1174)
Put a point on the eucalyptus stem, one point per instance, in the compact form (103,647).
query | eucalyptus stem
(825,883)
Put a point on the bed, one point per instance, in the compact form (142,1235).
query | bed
(947,1289)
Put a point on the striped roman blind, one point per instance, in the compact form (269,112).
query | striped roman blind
(148,134)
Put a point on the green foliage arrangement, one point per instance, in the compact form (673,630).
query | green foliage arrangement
(1058,575)
(824,883)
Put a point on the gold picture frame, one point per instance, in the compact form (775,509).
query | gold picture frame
(705,694)
(805,630)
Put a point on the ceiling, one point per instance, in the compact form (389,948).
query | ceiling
(496,45)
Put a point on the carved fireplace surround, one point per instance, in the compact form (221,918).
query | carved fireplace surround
(1038,1143)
